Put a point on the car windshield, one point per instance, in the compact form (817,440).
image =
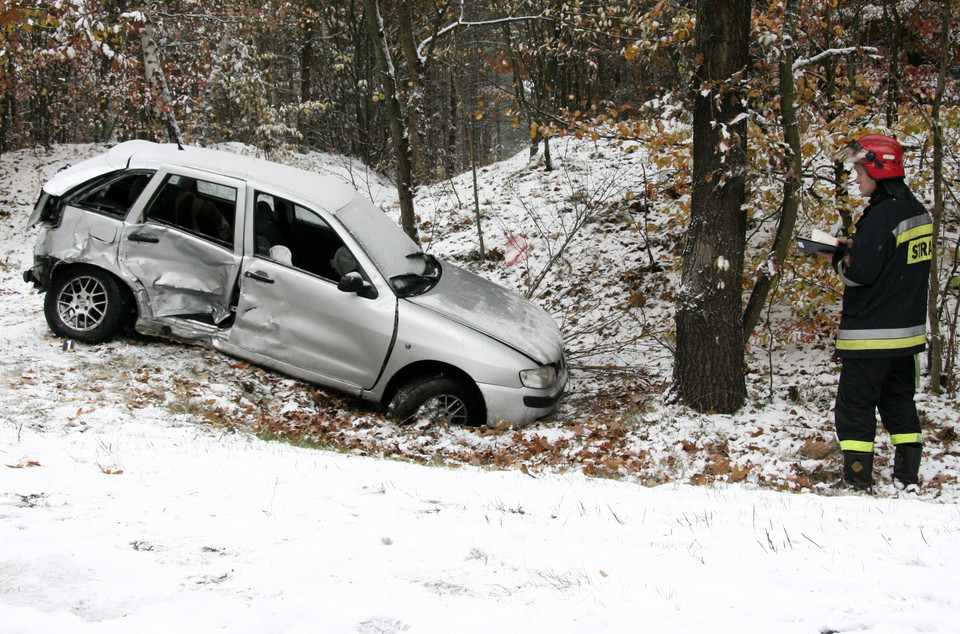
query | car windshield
(409,270)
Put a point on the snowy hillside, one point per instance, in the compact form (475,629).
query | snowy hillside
(138,491)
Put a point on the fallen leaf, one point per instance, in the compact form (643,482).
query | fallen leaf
(816,449)
(739,473)
(24,464)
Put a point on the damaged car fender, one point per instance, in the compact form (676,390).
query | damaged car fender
(291,270)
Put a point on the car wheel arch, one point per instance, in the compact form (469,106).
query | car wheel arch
(424,370)
(63,268)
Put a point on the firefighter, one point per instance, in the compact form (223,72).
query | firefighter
(885,268)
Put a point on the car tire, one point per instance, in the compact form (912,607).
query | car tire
(86,304)
(437,399)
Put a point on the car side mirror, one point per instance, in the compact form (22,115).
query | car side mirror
(353,282)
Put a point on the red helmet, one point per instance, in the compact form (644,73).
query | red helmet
(881,156)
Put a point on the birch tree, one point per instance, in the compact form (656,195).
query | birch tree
(162,100)
(935,354)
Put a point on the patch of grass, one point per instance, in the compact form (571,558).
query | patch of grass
(300,442)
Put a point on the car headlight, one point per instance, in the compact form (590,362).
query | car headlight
(539,378)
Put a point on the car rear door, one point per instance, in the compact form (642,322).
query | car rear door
(292,317)
(183,247)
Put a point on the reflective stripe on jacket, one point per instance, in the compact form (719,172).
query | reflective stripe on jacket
(886,276)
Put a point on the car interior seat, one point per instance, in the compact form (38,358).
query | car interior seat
(202,216)
(266,230)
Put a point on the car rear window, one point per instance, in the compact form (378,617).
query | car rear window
(113,195)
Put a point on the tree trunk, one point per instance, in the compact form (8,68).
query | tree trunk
(6,103)
(306,78)
(451,160)
(471,141)
(709,366)
(213,82)
(935,353)
(415,92)
(401,142)
(894,23)
(791,188)
(157,80)
(520,92)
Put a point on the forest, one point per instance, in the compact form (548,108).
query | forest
(740,105)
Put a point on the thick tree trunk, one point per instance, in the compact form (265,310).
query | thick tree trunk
(709,365)
(398,130)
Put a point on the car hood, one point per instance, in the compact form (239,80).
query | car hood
(494,311)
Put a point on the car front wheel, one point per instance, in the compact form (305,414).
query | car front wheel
(85,304)
(437,399)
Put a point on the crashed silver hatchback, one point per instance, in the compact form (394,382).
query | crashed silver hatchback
(291,271)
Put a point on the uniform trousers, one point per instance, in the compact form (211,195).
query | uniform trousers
(868,386)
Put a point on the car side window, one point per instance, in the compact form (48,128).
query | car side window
(116,196)
(302,234)
(199,207)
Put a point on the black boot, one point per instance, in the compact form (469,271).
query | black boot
(858,470)
(906,463)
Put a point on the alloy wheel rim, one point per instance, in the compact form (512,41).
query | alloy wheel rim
(83,303)
(445,408)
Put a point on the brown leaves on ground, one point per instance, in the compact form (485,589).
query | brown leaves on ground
(24,464)
(817,449)
(611,431)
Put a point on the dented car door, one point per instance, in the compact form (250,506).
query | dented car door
(182,247)
(291,316)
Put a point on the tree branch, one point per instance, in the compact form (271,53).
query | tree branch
(462,23)
(833,52)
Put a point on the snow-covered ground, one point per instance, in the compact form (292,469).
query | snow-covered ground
(132,501)
(142,524)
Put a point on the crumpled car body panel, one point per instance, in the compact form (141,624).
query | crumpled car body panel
(388,319)
(180,273)
(339,339)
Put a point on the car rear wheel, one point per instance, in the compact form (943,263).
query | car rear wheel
(85,304)
(437,399)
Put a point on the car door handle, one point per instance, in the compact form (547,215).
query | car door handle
(143,237)
(260,277)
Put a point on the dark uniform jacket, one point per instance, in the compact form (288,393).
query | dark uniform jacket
(886,276)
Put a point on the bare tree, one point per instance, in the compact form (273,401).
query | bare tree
(398,129)
(794,165)
(935,353)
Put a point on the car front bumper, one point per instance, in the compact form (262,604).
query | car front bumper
(522,406)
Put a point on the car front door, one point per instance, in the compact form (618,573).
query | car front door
(291,315)
(182,246)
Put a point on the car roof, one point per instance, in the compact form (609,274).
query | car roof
(324,190)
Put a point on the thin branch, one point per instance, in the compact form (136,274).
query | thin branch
(833,52)
(461,23)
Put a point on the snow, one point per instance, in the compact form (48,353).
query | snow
(126,507)
(202,531)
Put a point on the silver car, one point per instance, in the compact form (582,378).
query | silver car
(291,271)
